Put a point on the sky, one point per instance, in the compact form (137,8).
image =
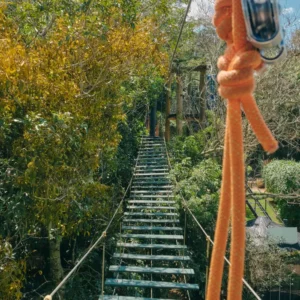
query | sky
(291,13)
(294,4)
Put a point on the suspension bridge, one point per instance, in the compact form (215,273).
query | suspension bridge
(151,259)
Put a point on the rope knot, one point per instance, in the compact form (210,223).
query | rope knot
(237,79)
(237,66)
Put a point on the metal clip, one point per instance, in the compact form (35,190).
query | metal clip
(264,30)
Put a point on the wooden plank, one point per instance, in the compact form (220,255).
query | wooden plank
(151,201)
(152,246)
(157,181)
(153,196)
(107,297)
(150,183)
(152,236)
(152,228)
(151,220)
(165,166)
(149,270)
(151,174)
(154,188)
(149,191)
(150,214)
(154,160)
(151,207)
(152,169)
(150,284)
(152,257)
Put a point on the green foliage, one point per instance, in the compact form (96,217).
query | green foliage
(265,265)
(12,272)
(204,178)
(194,146)
(199,184)
(282,176)
(69,119)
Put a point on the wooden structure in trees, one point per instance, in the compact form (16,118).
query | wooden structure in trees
(180,115)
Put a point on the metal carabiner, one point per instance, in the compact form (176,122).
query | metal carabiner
(262,18)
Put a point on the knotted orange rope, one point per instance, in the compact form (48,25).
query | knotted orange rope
(237,85)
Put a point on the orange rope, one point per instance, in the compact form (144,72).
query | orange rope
(237,84)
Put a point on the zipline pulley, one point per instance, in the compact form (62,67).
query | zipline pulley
(264,29)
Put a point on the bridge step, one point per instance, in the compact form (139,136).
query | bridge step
(151,284)
(151,201)
(128,298)
(151,220)
(152,187)
(165,166)
(151,257)
(151,246)
(153,196)
(149,191)
(134,269)
(152,207)
(152,236)
(152,228)
(152,170)
(153,160)
(157,214)
(159,182)
(151,174)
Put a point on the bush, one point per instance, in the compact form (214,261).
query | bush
(282,176)
(199,184)
(202,179)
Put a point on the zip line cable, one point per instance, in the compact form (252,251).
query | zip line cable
(179,36)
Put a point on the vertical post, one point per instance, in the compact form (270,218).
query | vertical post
(179,109)
(168,109)
(265,204)
(153,118)
(184,238)
(103,269)
(207,265)
(202,97)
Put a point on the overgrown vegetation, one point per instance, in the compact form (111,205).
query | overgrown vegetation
(282,177)
(74,75)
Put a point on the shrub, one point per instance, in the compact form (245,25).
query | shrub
(282,176)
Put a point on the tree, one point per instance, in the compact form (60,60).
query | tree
(64,70)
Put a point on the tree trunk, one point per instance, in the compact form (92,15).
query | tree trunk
(56,270)
(179,110)
(168,109)
(202,98)
(153,118)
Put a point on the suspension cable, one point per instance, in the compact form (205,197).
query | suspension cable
(185,204)
(103,235)
(179,36)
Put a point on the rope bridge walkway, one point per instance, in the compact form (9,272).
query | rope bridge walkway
(151,245)
(151,260)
